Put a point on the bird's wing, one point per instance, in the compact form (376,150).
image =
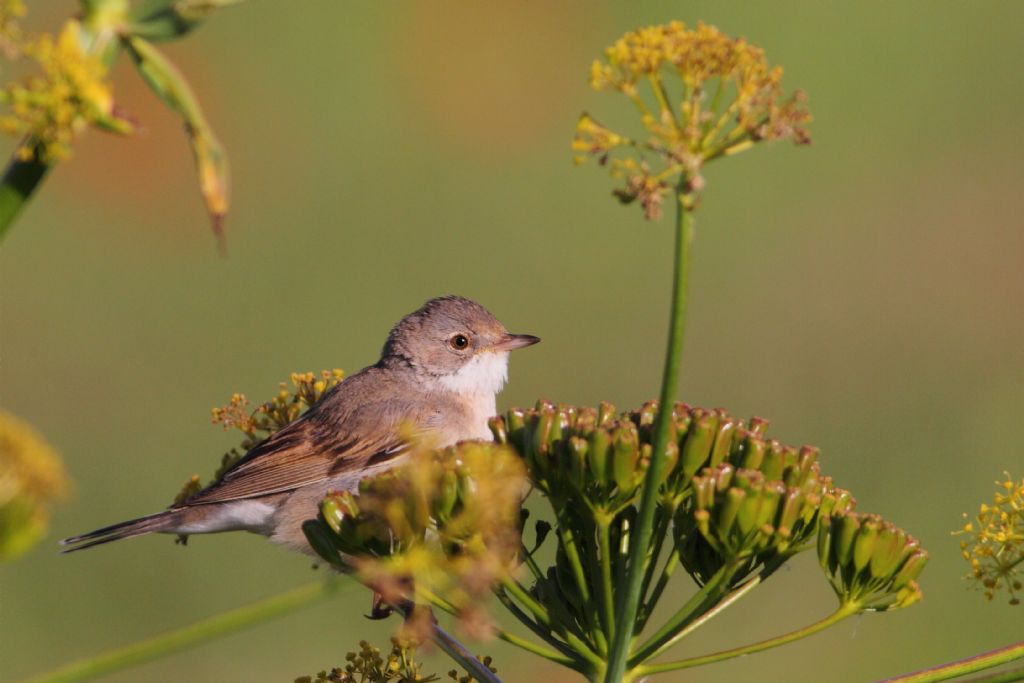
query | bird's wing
(305,452)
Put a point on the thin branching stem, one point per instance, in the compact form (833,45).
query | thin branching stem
(717,608)
(458,652)
(944,672)
(699,603)
(660,533)
(666,574)
(629,604)
(607,590)
(540,613)
(579,574)
(540,631)
(843,612)
(1008,676)
(183,638)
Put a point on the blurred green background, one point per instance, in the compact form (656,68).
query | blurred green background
(865,294)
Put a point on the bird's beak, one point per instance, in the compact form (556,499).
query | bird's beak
(510,342)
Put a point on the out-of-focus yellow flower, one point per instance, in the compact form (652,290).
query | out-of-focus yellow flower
(70,93)
(31,476)
(444,523)
(10,30)
(994,542)
(727,98)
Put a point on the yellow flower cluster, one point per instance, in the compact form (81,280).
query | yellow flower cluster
(31,476)
(994,543)
(70,93)
(10,30)
(267,418)
(288,404)
(444,523)
(370,665)
(727,99)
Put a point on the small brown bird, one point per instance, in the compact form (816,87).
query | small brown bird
(438,374)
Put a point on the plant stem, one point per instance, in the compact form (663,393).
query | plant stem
(717,607)
(698,604)
(843,612)
(194,634)
(512,639)
(466,659)
(538,630)
(607,590)
(629,602)
(19,182)
(1008,676)
(944,672)
(578,645)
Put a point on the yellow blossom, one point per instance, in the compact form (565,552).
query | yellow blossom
(31,476)
(259,423)
(994,542)
(444,523)
(727,99)
(70,93)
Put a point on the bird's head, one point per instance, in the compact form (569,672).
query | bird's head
(457,343)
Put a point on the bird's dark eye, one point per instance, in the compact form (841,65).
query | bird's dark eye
(459,342)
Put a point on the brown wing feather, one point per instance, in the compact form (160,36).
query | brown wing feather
(327,441)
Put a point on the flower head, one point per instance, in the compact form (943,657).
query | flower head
(256,424)
(444,522)
(994,542)
(31,476)
(700,94)
(871,564)
(71,92)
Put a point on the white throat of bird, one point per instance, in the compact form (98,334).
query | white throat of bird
(484,375)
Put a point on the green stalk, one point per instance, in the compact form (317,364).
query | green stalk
(512,639)
(660,533)
(572,553)
(194,634)
(578,645)
(1009,676)
(944,672)
(538,630)
(607,590)
(666,574)
(843,612)
(692,624)
(698,604)
(629,603)
(19,182)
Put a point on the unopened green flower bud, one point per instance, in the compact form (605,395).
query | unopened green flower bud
(625,456)
(722,444)
(576,453)
(598,454)
(911,569)
(864,543)
(697,442)
(751,452)
(331,509)
(606,413)
(447,497)
(758,426)
(497,426)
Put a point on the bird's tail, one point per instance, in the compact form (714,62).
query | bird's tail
(161,521)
